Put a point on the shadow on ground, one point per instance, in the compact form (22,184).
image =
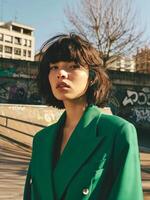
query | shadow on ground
(13,166)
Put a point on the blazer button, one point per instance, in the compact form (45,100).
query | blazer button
(85,191)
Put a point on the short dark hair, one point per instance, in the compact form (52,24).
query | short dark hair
(72,47)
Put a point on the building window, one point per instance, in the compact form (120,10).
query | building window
(16,28)
(1,48)
(17,40)
(24,42)
(1,37)
(17,51)
(29,54)
(29,43)
(8,38)
(8,49)
(24,53)
(27,32)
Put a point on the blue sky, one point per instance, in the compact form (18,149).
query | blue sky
(48,18)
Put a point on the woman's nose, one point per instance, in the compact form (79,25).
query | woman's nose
(62,74)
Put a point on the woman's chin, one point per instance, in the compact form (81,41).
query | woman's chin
(63,98)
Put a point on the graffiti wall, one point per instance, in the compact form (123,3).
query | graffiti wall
(132,103)
(18,85)
(17,82)
(19,90)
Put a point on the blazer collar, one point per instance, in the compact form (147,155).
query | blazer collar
(80,146)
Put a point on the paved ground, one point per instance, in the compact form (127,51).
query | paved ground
(14,161)
(145,165)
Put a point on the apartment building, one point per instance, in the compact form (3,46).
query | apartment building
(142,60)
(17,41)
(123,63)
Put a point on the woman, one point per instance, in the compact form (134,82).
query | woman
(86,155)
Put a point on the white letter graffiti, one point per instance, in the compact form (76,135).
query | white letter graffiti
(131,98)
(142,115)
(141,98)
(141,94)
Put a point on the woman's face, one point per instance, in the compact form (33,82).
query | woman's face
(68,80)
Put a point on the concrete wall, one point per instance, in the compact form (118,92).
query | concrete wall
(21,122)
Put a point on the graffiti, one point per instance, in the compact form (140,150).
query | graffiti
(139,98)
(3,92)
(19,91)
(7,72)
(131,103)
(141,115)
(16,108)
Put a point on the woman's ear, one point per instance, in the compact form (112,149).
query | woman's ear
(91,77)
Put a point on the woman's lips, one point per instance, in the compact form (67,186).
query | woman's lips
(62,85)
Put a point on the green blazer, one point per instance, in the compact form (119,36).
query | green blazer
(99,162)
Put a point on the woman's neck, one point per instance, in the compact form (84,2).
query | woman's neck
(73,113)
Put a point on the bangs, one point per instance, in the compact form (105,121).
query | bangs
(65,49)
(62,52)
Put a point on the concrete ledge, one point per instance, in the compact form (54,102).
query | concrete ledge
(17,136)
(22,122)
(23,127)
(3,121)
(146,186)
(144,149)
(42,115)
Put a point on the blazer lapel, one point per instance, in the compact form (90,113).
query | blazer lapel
(80,146)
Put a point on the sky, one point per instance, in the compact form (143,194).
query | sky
(48,17)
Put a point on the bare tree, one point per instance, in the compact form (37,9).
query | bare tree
(110,25)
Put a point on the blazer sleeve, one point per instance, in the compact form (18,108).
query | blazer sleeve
(27,188)
(126,166)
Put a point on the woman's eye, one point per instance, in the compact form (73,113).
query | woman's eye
(53,68)
(74,66)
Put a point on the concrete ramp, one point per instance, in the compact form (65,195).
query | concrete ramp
(20,123)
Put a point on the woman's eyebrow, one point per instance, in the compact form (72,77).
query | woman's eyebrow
(52,64)
(74,64)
